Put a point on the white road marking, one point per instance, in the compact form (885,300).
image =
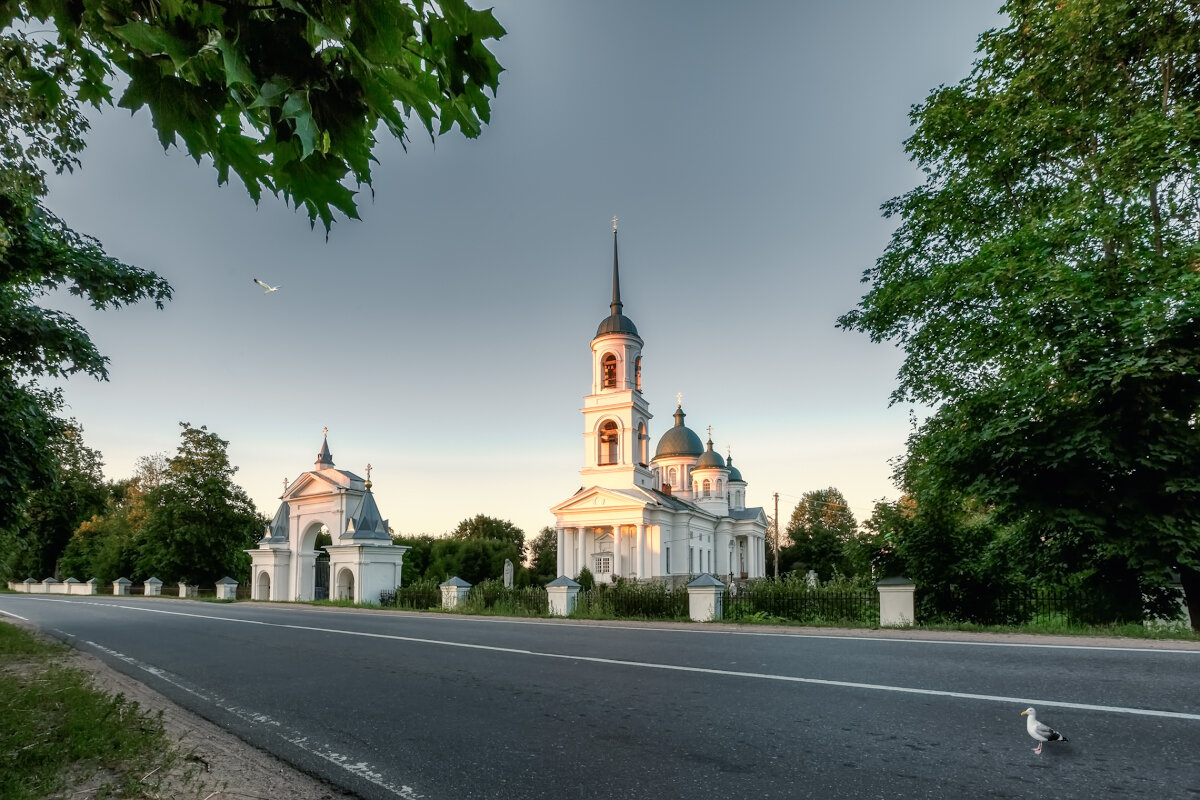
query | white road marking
(1145,712)
(14,616)
(360,769)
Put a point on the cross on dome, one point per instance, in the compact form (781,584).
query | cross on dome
(679,399)
(614,224)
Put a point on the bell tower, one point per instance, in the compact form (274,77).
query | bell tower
(616,416)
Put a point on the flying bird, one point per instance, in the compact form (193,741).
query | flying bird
(267,287)
(1040,731)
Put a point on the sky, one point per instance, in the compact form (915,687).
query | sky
(746,149)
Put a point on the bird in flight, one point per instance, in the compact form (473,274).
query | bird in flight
(1040,731)
(267,287)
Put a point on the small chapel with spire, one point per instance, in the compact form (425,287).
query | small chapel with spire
(334,508)
(679,513)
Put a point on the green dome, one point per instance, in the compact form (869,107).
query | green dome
(734,473)
(679,441)
(616,323)
(710,460)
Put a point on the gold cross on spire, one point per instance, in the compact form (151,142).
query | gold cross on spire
(325,431)
(679,399)
(369,468)
(614,224)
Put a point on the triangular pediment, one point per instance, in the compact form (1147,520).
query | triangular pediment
(598,498)
(315,483)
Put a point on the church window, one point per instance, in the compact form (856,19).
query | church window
(671,475)
(603,563)
(720,488)
(637,373)
(609,440)
(707,487)
(608,371)
(643,444)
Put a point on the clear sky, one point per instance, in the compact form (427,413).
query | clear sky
(444,338)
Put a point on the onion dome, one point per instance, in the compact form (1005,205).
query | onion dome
(616,322)
(710,459)
(679,441)
(734,473)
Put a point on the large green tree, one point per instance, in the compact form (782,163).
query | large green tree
(482,526)
(75,492)
(543,556)
(198,521)
(1043,282)
(821,533)
(286,94)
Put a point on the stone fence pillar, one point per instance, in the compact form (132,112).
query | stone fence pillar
(706,599)
(153,587)
(227,588)
(121,586)
(564,595)
(896,606)
(454,592)
(188,591)
(51,586)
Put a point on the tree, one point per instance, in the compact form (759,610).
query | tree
(198,523)
(75,493)
(821,528)
(543,556)
(416,560)
(1044,283)
(473,559)
(484,527)
(287,95)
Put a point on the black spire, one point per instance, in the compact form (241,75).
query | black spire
(615,305)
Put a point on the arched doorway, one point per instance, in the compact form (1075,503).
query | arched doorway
(345,585)
(321,565)
(262,588)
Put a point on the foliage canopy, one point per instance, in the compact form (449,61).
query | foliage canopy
(1043,282)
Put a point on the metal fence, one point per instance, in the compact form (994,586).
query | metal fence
(766,601)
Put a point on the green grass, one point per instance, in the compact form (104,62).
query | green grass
(1059,627)
(59,733)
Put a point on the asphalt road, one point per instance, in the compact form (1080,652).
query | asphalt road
(393,705)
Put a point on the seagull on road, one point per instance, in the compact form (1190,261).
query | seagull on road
(1040,731)
(267,287)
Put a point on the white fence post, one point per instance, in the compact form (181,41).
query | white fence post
(563,594)
(896,605)
(454,591)
(706,597)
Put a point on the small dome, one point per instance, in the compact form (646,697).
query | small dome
(710,459)
(734,473)
(679,441)
(616,323)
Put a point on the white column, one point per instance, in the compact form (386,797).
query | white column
(560,553)
(581,532)
(617,560)
(640,558)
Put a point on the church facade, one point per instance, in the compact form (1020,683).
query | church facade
(326,504)
(678,513)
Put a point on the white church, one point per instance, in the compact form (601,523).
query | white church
(681,513)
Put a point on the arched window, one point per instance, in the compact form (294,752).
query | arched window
(719,487)
(707,487)
(609,442)
(637,373)
(671,476)
(608,371)
(643,444)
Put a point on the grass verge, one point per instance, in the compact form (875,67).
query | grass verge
(62,737)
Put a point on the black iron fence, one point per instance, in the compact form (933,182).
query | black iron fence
(766,601)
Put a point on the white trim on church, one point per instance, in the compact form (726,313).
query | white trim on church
(679,513)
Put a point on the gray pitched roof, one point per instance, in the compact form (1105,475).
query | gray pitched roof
(366,522)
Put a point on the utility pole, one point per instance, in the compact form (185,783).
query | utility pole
(776,537)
